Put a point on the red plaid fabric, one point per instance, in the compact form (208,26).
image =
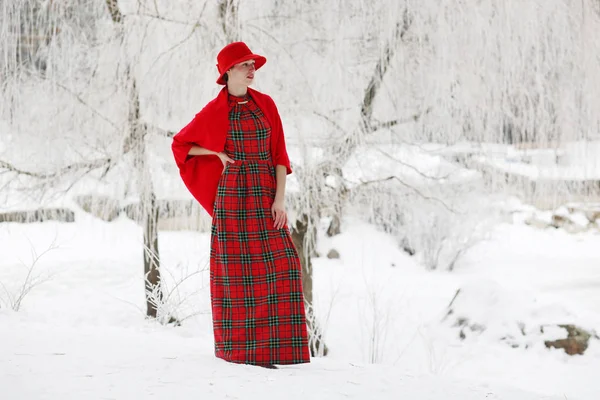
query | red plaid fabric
(256,283)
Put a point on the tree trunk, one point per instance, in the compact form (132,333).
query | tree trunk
(148,207)
(343,150)
(340,153)
(299,236)
(229,19)
(136,142)
(151,256)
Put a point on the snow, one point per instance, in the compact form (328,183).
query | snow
(577,161)
(117,364)
(410,163)
(82,334)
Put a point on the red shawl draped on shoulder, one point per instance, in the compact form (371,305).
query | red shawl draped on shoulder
(209,129)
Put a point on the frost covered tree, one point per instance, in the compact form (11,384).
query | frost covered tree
(392,109)
(96,156)
(135,142)
(467,73)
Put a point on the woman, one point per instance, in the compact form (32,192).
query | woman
(233,159)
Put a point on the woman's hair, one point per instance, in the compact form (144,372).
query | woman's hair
(226,77)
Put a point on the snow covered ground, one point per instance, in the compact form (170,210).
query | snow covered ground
(81,334)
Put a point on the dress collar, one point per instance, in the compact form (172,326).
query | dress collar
(235,100)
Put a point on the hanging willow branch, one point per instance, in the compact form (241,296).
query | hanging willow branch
(86,166)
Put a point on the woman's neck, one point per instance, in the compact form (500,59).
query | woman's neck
(239,91)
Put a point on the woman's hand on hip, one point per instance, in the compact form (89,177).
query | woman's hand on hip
(279,215)
(225,159)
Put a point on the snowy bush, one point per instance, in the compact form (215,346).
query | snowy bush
(435,209)
(437,231)
(13,294)
(440,235)
(179,296)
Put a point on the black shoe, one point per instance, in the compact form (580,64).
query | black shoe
(268,366)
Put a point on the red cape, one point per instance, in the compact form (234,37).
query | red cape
(209,129)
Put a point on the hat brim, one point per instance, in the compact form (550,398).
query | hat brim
(259,61)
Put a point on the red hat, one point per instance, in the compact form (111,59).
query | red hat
(235,53)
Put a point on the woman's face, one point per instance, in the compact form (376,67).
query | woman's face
(241,74)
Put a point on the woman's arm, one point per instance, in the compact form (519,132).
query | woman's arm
(281,175)
(278,208)
(201,151)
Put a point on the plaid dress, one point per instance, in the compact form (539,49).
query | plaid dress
(256,283)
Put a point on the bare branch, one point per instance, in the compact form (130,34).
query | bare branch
(330,120)
(176,45)
(31,281)
(412,167)
(89,165)
(228,13)
(347,146)
(161,18)
(159,131)
(281,47)
(389,124)
(382,66)
(80,100)
(412,188)
(113,9)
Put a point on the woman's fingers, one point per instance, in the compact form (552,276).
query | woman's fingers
(279,216)
(280,219)
(225,159)
(276,220)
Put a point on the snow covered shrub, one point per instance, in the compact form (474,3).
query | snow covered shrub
(12,295)
(435,208)
(180,295)
(388,211)
(377,312)
(440,232)
(438,224)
